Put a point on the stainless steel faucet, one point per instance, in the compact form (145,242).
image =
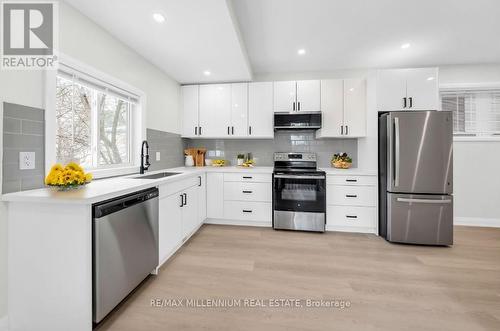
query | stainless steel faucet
(144,165)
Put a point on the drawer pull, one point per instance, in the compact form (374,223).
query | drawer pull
(247,192)
(351,196)
(351,180)
(247,211)
(247,177)
(351,216)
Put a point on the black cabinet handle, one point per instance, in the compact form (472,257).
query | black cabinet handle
(232,130)
(346,129)
(247,177)
(185,199)
(341,129)
(200,130)
(195,130)
(298,105)
(351,196)
(250,130)
(228,132)
(411,101)
(247,211)
(404,102)
(199,177)
(248,192)
(351,216)
(351,180)
(182,200)
(294,106)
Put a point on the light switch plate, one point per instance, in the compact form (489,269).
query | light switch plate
(26,160)
(158,156)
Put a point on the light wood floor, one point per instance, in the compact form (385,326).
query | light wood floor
(390,287)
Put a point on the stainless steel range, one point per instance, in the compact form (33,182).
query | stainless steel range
(299,193)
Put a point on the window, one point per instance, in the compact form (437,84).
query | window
(476,112)
(93,122)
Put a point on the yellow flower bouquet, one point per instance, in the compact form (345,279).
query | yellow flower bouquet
(71,176)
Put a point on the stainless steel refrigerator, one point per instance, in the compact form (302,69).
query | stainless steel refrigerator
(416,177)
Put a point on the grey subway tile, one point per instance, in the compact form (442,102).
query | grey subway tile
(22,141)
(32,127)
(9,186)
(11,125)
(32,183)
(22,112)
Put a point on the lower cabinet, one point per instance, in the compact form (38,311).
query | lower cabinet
(180,213)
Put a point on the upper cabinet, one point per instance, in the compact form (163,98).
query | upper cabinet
(260,110)
(343,108)
(408,89)
(292,96)
(238,110)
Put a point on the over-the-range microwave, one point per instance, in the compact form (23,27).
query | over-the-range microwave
(303,120)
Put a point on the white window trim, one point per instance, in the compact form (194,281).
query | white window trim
(138,118)
(471,86)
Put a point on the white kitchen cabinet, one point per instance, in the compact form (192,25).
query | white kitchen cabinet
(343,108)
(215,195)
(215,110)
(190,212)
(239,110)
(170,225)
(408,89)
(285,96)
(260,110)
(190,111)
(308,95)
(202,198)
(301,95)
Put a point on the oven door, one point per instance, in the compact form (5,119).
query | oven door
(299,202)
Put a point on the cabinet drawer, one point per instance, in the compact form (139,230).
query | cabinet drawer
(346,195)
(247,177)
(352,180)
(247,211)
(351,216)
(177,186)
(241,191)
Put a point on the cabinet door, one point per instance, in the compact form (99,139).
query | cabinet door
(202,199)
(332,108)
(391,89)
(170,231)
(215,110)
(284,96)
(355,107)
(190,211)
(308,95)
(423,89)
(260,110)
(215,195)
(190,110)
(239,110)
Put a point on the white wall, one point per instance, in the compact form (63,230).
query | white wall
(83,40)
(476,176)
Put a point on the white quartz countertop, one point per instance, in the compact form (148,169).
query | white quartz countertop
(100,190)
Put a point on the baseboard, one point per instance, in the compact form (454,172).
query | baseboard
(351,229)
(221,221)
(477,221)
(3,323)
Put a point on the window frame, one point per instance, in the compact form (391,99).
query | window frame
(137,118)
(470,86)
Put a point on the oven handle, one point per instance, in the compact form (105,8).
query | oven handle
(299,177)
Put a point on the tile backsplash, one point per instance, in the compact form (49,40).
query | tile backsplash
(284,141)
(171,147)
(23,131)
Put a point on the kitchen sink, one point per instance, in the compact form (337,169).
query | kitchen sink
(158,175)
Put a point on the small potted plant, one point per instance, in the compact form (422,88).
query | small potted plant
(341,161)
(240,159)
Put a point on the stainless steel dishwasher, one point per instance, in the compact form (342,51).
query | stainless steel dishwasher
(125,247)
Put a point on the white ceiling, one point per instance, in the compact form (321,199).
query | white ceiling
(197,35)
(200,35)
(367,33)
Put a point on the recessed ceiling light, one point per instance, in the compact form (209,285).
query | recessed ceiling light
(405,45)
(430,78)
(351,89)
(159,17)
(301,51)
(207,73)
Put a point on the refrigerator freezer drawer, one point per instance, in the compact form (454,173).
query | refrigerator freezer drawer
(420,219)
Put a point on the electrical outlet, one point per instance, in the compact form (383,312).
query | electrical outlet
(158,156)
(26,160)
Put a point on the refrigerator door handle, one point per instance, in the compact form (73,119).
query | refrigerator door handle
(396,151)
(424,201)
